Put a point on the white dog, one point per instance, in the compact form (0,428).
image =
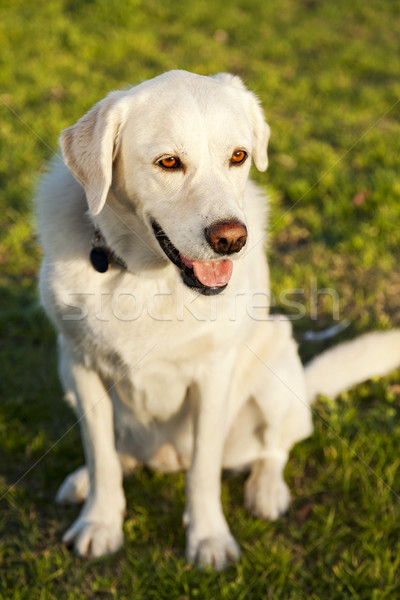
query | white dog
(155,276)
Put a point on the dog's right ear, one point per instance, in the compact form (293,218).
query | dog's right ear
(90,146)
(261,130)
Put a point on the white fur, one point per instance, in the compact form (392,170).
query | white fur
(370,355)
(155,371)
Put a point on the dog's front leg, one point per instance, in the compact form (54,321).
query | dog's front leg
(209,541)
(98,529)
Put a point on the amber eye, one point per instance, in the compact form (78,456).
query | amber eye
(238,157)
(169,162)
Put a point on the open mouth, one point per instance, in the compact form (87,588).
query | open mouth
(207,277)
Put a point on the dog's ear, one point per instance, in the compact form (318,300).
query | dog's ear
(230,79)
(90,146)
(261,130)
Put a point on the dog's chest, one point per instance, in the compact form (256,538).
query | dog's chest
(149,340)
(138,322)
(152,399)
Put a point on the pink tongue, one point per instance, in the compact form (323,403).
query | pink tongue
(211,273)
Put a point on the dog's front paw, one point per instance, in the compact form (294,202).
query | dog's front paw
(267,500)
(93,539)
(216,552)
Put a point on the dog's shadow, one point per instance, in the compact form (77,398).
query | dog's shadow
(38,439)
(31,397)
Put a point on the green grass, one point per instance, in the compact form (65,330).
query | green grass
(328,75)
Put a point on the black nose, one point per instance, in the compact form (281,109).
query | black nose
(226,237)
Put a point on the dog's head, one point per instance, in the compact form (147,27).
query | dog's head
(178,149)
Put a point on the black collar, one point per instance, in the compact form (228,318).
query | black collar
(101,255)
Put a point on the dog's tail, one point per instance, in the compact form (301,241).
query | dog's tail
(341,367)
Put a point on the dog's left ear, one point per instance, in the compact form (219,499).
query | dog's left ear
(90,146)
(261,130)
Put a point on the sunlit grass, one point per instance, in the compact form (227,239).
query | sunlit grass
(328,77)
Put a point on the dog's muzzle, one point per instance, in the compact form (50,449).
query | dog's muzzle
(206,277)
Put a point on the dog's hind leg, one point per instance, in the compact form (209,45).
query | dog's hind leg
(75,487)
(267,495)
(282,399)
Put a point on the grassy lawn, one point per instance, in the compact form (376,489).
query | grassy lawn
(328,75)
